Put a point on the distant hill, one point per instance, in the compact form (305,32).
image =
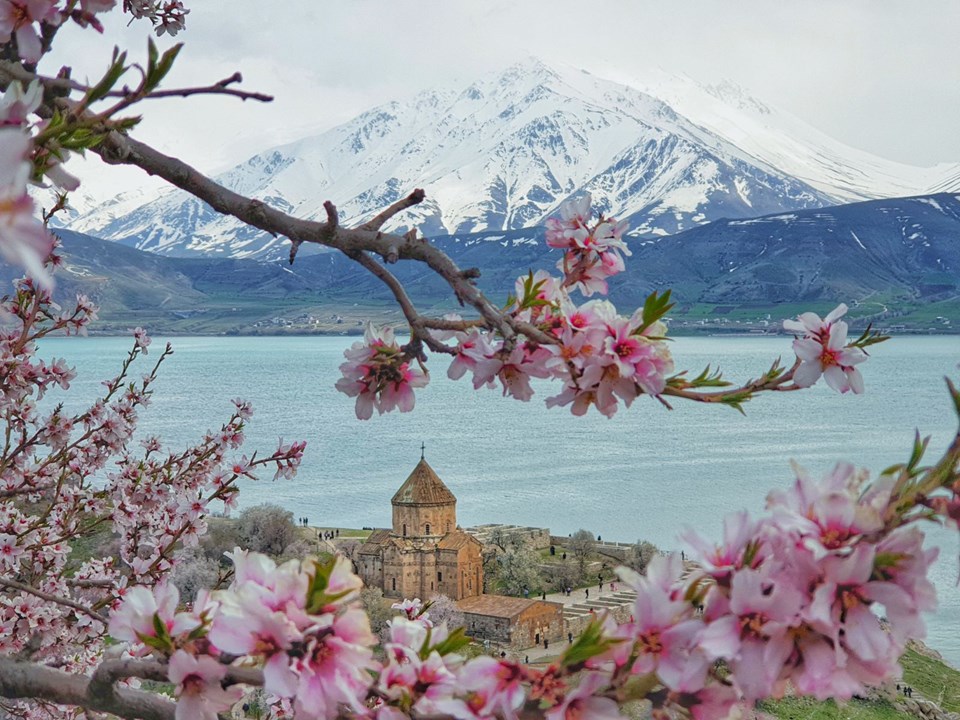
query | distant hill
(895,261)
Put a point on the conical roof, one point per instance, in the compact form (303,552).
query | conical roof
(423,487)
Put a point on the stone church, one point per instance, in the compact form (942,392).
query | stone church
(425,553)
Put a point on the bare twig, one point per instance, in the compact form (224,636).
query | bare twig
(416,322)
(414,198)
(66,602)
(218,88)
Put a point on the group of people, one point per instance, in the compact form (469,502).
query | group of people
(330,534)
(907,690)
(303,521)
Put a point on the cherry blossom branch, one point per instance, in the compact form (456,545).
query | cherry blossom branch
(417,325)
(737,395)
(31,680)
(66,602)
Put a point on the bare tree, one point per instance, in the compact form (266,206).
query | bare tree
(194,572)
(518,571)
(640,555)
(582,545)
(268,529)
(377,608)
(444,609)
(505,539)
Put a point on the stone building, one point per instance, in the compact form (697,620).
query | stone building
(513,621)
(425,553)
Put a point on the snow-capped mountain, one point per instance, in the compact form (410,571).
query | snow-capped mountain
(503,153)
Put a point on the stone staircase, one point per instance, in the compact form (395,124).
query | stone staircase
(618,604)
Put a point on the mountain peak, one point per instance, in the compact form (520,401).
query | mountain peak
(504,152)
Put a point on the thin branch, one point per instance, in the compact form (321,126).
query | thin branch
(414,198)
(417,327)
(222,87)
(218,88)
(66,602)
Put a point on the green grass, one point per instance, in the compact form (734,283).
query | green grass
(346,532)
(801,708)
(935,680)
(931,678)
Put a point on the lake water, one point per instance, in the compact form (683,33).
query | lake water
(643,474)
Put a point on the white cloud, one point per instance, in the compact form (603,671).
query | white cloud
(876,74)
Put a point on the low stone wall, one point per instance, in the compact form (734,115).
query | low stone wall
(531,538)
(925,709)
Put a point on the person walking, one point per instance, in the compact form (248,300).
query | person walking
(570,638)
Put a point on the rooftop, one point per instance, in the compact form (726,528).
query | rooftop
(423,487)
(499,605)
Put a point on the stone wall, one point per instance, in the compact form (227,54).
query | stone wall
(441,519)
(530,538)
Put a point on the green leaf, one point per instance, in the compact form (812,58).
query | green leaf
(454,642)
(654,308)
(114,72)
(868,338)
(157,69)
(590,644)
(709,378)
(736,400)
(954,395)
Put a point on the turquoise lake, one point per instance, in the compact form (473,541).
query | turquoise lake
(644,474)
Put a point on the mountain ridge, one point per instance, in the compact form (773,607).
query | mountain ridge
(894,261)
(502,154)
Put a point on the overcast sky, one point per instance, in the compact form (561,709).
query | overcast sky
(882,76)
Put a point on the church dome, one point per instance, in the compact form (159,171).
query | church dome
(423,487)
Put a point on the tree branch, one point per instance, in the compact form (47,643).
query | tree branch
(23,680)
(414,198)
(66,602)
(417,326)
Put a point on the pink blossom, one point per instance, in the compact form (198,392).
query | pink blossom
(378,375)
(334,668)
(754,638)
(10,551)
(488,688)
(199,694)
(665,634)
(17,104)
(142,608)
(823,351)
(23,239)
(141,339)
(17,18)
(581,703)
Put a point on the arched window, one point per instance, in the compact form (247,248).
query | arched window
(439,576)
(428,529)
(404,529)
(394,581)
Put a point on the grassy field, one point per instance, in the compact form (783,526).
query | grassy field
(933,679)
(793,708)
(929,677)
